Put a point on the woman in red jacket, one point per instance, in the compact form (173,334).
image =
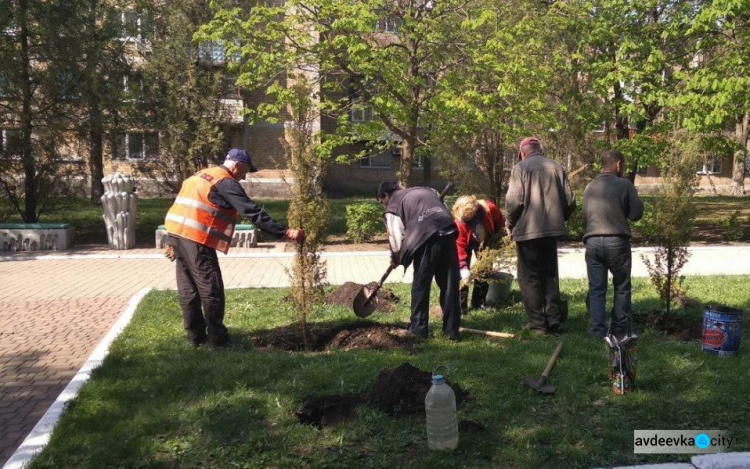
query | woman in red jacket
(478,221)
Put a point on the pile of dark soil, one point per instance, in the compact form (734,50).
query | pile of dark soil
(399,392)
(676,326)
(353,336)
(385,300)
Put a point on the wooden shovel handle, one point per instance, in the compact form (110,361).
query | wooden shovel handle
(499,335)
(445,190)
(552,360)
(380,284)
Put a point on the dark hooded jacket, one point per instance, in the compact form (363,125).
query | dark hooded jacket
(423,215)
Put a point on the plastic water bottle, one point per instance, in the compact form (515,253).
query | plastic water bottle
(442,421)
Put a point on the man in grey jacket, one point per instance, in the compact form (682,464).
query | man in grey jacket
(538,202)
(609,201)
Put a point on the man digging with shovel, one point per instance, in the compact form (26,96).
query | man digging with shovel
(421,230)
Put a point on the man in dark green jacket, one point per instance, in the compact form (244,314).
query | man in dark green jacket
(538,202)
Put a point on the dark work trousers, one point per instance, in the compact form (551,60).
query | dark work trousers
(609,254)
(437,258)
(537,278)
(199,284)
(478,295)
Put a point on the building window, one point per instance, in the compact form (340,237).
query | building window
(133,85)
(382,159)
(389,24)
(712,165)
(229,87)
(212,52)
(136,24)
(5,87)
(10,143)
(135,146)
(361,114)
(358,110)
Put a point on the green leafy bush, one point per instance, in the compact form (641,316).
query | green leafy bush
(574,225)
(731,229)
(363,221)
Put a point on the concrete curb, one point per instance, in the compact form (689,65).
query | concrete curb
(703,461)
(40,434)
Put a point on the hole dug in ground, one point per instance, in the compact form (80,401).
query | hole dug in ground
(398,392)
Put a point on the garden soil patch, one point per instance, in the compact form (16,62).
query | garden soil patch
(354,336)
(385,301)
(398,392)
(676,327)
(328,410)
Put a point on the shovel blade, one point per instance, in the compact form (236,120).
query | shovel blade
(362,308)
(539,385)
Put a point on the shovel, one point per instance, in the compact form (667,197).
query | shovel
(363,303)
(540,385)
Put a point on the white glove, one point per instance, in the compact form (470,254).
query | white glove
(464,274)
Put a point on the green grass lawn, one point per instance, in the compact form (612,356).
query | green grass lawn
(155,402)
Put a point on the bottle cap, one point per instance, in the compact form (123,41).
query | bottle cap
(439,378)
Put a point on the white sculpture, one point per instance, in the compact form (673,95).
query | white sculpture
(119,202)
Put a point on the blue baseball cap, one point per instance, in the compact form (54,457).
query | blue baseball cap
(241,156)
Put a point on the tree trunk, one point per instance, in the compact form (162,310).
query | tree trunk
(96,150)
(96,126)
(738,173)
(408,146)
(27,126)
(742,129)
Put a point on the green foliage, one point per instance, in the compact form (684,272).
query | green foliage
(716,92)
(363,221)
(397,76)
(671,225)
(574,225)
(308,209)
(731,228)
(40,90)
(182,95)
(498,256)
(155,402)
(647,227)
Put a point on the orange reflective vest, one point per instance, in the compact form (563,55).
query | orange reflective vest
(194,217)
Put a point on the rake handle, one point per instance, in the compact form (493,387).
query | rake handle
(552,360)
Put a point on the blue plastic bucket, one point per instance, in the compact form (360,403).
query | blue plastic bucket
(722,330)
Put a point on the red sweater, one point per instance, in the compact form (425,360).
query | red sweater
(468,240)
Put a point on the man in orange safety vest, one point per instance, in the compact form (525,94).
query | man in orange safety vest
(200,222)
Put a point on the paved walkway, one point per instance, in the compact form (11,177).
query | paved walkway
(56,307)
